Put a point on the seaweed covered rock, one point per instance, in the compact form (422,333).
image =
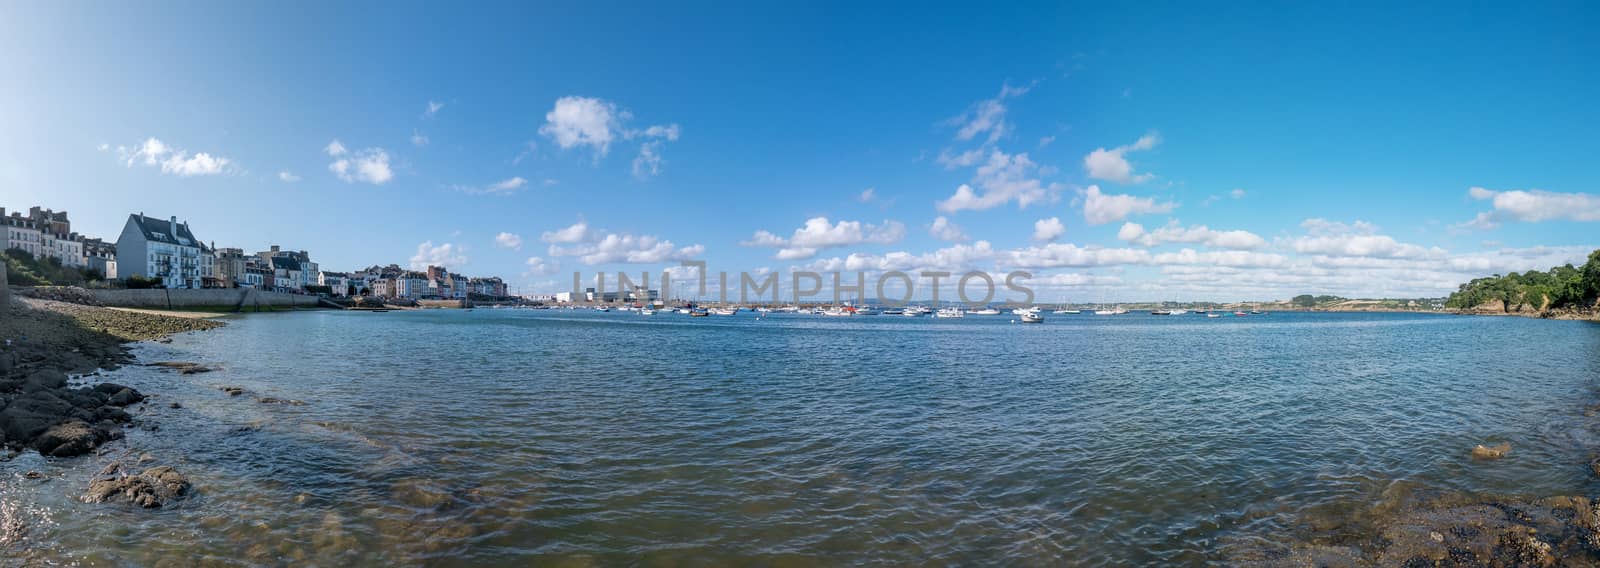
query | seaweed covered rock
(152,488)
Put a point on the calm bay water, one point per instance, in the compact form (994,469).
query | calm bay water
(509,437)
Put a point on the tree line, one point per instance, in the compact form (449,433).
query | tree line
(1560,287)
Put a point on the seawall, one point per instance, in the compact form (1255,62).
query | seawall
(243,299)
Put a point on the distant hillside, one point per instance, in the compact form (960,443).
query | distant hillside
(1561,288)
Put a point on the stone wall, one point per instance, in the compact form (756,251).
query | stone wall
(442,303)
(5,291)
(247,299)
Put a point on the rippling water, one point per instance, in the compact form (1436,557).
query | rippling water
(514,437)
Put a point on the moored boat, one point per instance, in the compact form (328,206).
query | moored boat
(1032,317)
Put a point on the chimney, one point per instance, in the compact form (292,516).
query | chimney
(173,226)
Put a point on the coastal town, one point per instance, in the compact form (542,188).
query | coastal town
(164,252)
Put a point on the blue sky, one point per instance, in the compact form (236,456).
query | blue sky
(1262,150)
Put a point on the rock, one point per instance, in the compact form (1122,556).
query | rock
(124,397)
(153,488)
(68,439)
(183,367)
(174,405)
(272,400)
(1491,452)
(45,380)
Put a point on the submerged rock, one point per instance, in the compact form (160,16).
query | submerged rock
(284,401)
(232,390)
(149,489)
(1481,451)
(184,367)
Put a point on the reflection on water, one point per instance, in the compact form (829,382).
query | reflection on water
(509,437)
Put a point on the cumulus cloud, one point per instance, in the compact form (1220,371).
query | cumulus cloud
(867,195)
(1113,165)
(445,254)
(597,123)
(511,241)
(593,247)
(370,165)
(540,267)
(1100,208)
(1532,206)
(819,233)
(1359,239)
(945,230)
(1174,232)
(417,139)
(433,109)
(1045,230)
(583,121)
(1001,179)
(155,153)
(575,233)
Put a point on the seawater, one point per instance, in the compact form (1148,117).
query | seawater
(519,437)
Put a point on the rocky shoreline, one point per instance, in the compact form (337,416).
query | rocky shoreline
(42,344)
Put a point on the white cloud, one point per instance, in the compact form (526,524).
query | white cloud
(1000,180)
(433,109)
(417,139)
(1101,208)
(988,115)
(952,258)
(370,165)
(445,254)
(1533,206)
(614,248)
(819,233)
(288,177)
(648,162)
(597,123)
(1359,239)
(511,241)
(1055,255)
(1237,193)
(576,233)
(1198,234)
(867,195)
(1045,230)
(583,121)
(506,186)
(153,152)
(1045,141)
(540,267)
(944,230)
(1113,165)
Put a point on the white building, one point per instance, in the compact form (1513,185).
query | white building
(338,283)
(163,249)
(413,285)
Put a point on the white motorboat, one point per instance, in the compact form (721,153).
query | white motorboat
(1106,312)
(949,313)
(1067,312)
(724,311)
(646,312)
(986,312)
(1032,317)
(836,311)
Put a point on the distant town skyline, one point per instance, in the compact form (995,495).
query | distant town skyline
(1117,152)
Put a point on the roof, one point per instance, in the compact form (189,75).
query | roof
(285,262)
(158,230)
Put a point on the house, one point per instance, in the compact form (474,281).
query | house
(22,233)
(255,275)
(413,285)
(491,286)
(287,274)
(231,264)
(164,250)
(381,286)
(305,271)
(100,256)
(338,283)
